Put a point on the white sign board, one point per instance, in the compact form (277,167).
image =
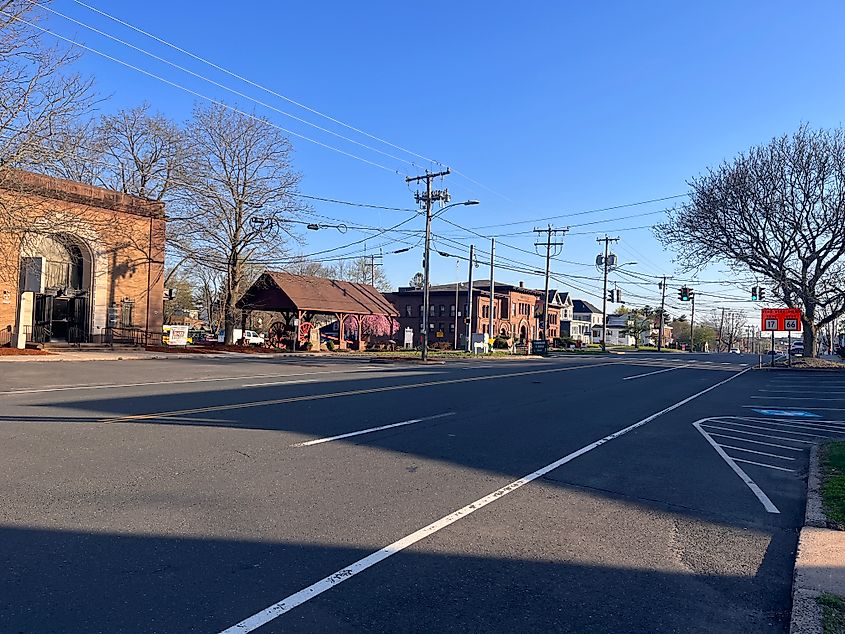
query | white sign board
(409,339)
(771,324)
(178,336)
(790,324)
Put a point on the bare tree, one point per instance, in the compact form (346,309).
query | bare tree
(38,95)
(304,266)
(777,211)
(240,192)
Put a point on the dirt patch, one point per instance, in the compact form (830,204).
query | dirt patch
(17,352)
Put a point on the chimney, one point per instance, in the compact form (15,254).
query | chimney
(522,285)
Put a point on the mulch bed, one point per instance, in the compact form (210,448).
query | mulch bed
(17,352)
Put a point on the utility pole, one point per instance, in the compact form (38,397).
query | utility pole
(429,197)
(457,298)
(548,244)
(662,313)
(721,326)
(373,265)
(492,291)
(605,265)
(469,297)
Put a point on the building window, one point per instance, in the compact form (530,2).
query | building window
(409,310)
(514,310)
(421,310)
(485,311)
(452,310)
(432,310)
(451,327)
(442,310)
(440,327)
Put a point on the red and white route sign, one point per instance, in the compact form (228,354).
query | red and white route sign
(781,319)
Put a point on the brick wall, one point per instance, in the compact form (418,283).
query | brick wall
(122,236)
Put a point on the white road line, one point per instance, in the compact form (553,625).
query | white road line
(768,466)
(782,431)
(639,376)
(289,603)
(320,441)
(279,383)
(179,381)
(328,395)
(751,433)
(756,442)
(756,490)
(759,453)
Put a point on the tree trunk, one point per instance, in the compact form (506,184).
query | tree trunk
(808,324)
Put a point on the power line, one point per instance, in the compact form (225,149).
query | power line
(279,95)
(219,85)
(198,94)
(582,213)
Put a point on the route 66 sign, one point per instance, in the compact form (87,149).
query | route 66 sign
(790,324)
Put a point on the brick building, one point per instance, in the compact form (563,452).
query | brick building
(514,311)
(76,260)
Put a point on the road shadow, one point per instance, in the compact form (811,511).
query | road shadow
(77,582)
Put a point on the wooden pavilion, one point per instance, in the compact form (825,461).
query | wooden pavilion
(301,298)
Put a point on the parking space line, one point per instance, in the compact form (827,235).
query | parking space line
(831,426)
(757,442)
(768,466)
(319,441)
(287,604)
(782,431)
(799,398)
(760,453)
(756,490)
(821,409)
(751,433)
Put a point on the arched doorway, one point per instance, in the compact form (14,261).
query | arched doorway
(523,334)
(59,268)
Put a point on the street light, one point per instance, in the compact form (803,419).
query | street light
(426,263)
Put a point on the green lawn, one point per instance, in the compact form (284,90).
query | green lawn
(833,614)
(833,488)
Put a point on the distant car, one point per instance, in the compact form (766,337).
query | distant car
(252,338)
(735,351)
(797,349)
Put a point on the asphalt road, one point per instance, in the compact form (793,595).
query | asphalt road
(630,493)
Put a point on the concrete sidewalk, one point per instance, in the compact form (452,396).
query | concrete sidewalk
(819,562)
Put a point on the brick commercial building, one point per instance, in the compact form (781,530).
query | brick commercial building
(514,312)
(77,262)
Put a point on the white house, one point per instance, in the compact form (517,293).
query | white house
(587,314)
(616,335)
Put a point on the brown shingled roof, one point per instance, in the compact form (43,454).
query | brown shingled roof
(276,291)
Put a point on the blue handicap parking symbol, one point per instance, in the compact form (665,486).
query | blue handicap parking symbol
(794,413)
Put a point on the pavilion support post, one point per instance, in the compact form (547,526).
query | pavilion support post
(360,341)
(341,340)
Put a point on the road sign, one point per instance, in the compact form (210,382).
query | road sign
(781,319)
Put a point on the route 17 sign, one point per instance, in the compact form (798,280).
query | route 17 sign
(782,319)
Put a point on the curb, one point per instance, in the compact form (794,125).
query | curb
(817,547)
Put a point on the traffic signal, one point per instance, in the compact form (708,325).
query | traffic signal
(666,318)
(611,296)
(684,294)
(761,294)
(618,295)
(754,296)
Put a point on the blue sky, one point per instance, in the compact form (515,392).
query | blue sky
(554,108)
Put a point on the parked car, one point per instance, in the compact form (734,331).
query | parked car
(735,351)
(247,337)
(797,349)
